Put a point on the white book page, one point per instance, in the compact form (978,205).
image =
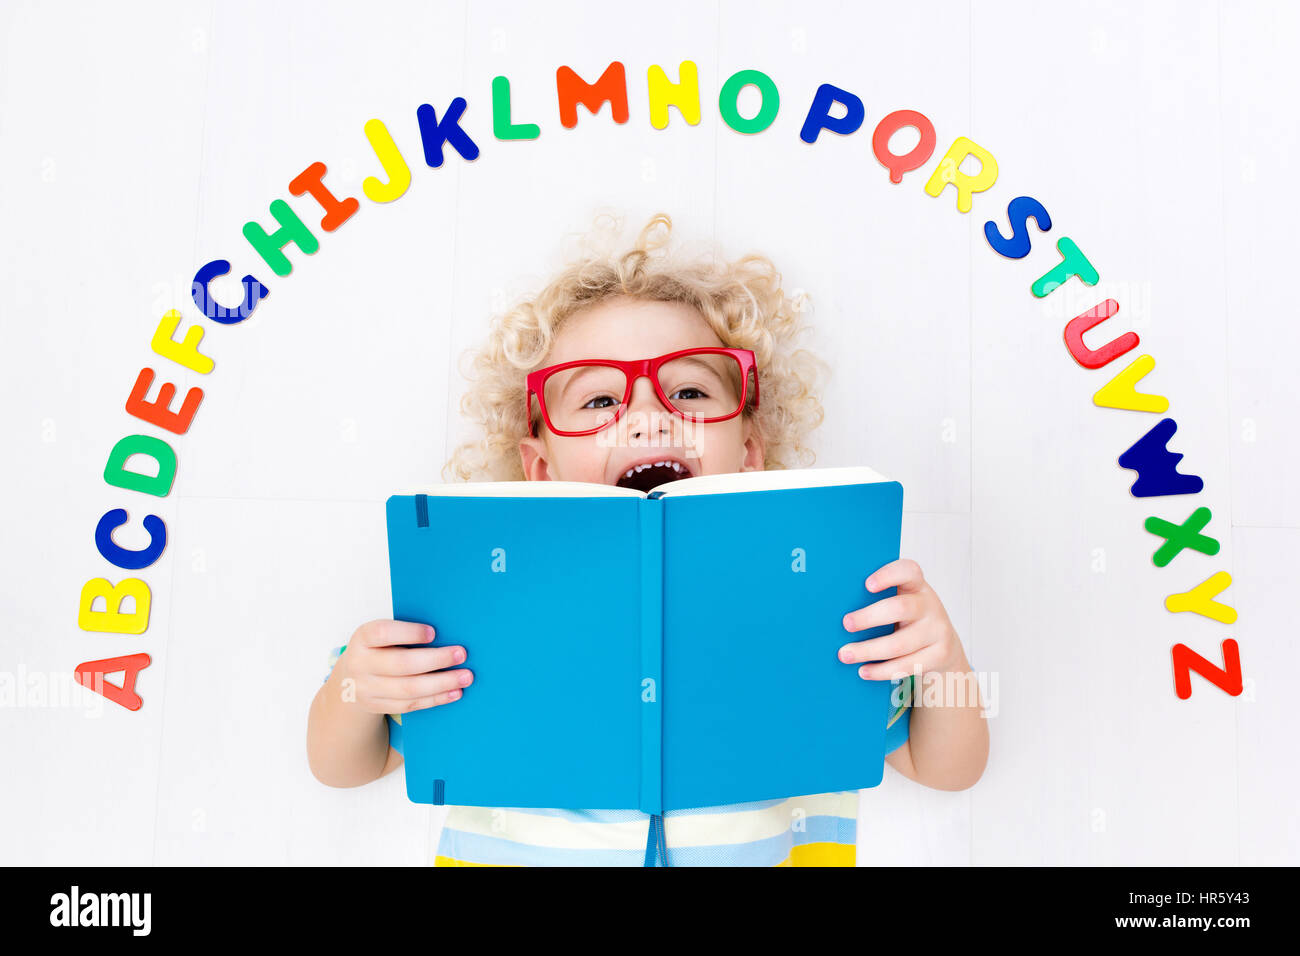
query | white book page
(526,489)
(700,485)
(771,480)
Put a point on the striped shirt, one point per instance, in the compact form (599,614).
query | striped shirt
(815,830)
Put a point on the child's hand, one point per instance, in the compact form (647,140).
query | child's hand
(389,679)
(924,640)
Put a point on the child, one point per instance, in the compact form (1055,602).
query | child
(642,305)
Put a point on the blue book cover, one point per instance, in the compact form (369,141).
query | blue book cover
(654,651)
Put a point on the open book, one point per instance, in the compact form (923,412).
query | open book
(653,651)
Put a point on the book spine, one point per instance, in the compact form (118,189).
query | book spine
(651,513)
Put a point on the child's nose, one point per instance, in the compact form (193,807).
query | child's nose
(646,412)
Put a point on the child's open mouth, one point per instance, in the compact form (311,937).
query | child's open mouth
(649,474)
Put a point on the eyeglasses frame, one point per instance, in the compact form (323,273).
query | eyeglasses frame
(633,370)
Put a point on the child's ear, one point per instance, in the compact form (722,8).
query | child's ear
(532,455)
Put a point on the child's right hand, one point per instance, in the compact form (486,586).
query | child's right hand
(390,679)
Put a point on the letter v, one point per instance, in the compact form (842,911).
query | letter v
(1120,391)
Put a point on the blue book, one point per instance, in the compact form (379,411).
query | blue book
(652,650)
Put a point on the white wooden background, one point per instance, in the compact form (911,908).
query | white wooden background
(136,140)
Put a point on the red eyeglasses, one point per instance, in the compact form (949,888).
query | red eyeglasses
(699,385)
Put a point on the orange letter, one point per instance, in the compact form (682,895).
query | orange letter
(159,413)
(572,90)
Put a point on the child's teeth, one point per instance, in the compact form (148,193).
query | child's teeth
(675,466)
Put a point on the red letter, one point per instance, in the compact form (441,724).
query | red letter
(1227,678)
(91,674)
(159,413)
(917,156)
(1096,358)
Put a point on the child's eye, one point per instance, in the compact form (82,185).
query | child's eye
(601,398)
(688,388)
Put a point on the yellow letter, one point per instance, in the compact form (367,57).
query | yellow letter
(399,176)
(1198,599)
(111,620)
(949,171)
(1120,392)
(684,95)
(182,353)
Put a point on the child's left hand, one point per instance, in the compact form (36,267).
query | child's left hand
(924,640)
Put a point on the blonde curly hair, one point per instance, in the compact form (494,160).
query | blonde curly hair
(742,301)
